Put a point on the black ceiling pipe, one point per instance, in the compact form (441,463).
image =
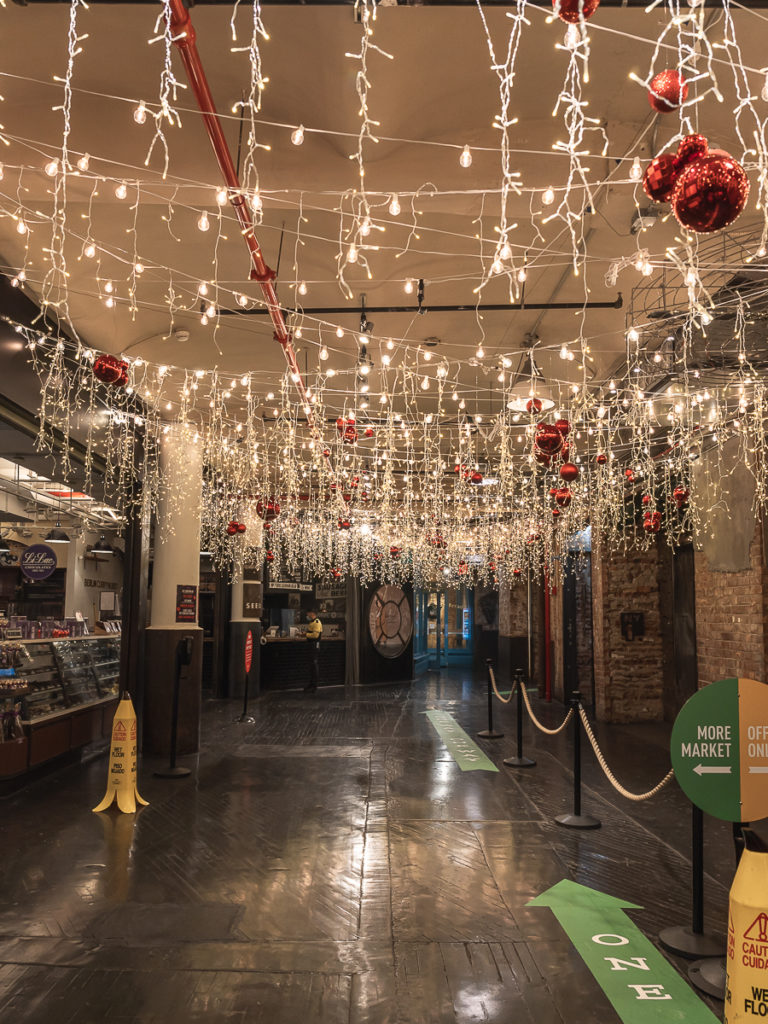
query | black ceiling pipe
(500,307)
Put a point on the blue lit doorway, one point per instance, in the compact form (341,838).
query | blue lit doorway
(444,628)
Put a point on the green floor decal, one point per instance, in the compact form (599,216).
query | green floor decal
(643,987)
(465,752)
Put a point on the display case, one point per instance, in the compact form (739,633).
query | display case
(76,670)
(37,668)
(104,653)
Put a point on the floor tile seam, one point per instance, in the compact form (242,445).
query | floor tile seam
(154,970)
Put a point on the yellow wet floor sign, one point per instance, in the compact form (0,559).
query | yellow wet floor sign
(121,781)
(746,987)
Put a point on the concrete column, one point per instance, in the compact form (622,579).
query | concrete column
(176,563)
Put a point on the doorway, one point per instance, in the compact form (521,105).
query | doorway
(445,626)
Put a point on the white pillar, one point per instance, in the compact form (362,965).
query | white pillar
(253,536)
(177,534)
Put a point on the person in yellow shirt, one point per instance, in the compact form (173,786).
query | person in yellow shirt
(313,633)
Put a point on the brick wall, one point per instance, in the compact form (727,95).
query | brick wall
(628,673)
(513,628)
(730,617)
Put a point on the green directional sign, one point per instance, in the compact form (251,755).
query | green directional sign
(719,749)
(642,986)
(463,749)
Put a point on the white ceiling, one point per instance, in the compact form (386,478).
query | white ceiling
(438,88)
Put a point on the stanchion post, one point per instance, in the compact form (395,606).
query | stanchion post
(245,717)
(577,819)
(692,942)
(520,761)
(490,733)
(183,657)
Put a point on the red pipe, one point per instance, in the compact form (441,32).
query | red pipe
(547,641)
(184,37)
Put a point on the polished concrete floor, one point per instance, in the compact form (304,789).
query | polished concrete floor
(332,863)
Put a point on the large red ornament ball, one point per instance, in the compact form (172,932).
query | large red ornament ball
(267,508)
(569,472)
(668,91)
(710,193)
(652,522)
(572,10)
(563,497)
(659,178)
(111,370)
(548,439)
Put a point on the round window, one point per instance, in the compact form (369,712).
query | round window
(390,621)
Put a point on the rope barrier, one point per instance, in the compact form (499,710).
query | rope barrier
(537,723)
(609,774)
(504,700)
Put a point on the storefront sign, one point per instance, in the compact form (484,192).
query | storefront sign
(719,749)
(304,588)
(251,599)
(186,604)
(38,562)
(248,652)
(640,983)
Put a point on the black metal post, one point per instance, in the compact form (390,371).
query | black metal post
(692,942)
(490,733)
(245,717)
(520,761)
(183,657)
(577,819)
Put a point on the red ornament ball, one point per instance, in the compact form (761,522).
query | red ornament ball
(516,572)
(569,472)
(563,497)
(548,439)
(710,193)
(660,177)
(369,431)
(111,370)
(630,475)
(573,10)
(601,459)
(563,426)
(681,495)
(533,405)
(646,499)
(232,528)
(652,522)
(691,148)
(668,91)
(555,512)
(476,478)
(241,527)
(344,524)
(267,508)
(270,557)
(394,552)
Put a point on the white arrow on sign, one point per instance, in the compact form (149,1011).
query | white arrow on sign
(710,769)
(753,770)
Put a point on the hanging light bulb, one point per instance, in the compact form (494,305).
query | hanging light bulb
(563,351)
(109,302)
(496,267)
(522,274)
(84,162)
(203,223)
(297,135)
(242,301)
(352,253)
(480,353)
(505,252)
(89,250)
(339,332)
(256,204)
(408,286)
(636,171)
(633,335)
(390,344)
(138,268)
(466,157)
(108,287)
(122,190)
(425,384)
(202,288)
(394,205)
(548,196)
(221,196)
(210,309)
(323,353)
(303,288)
(140,113)
(21,226)
(2,172)
(52,168)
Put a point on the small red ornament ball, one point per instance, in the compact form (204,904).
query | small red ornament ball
(548,439)
(563,426)
(563,497)
(555,513)
(668,91)
(680,495)
(270,557)
(630,475)
(659,178)
(344,524)
(394,552)
(691,148)
(267,509)
(646,499)
(241,527)
(710,193)
(369,431)
(572,10)
(533,405)
(569,472)
(476,478)
(111,370)
(232,528)
(601,459)
(652,522)
(516,572)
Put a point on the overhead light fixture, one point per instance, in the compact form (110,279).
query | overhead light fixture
(101,547)
(57,535)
